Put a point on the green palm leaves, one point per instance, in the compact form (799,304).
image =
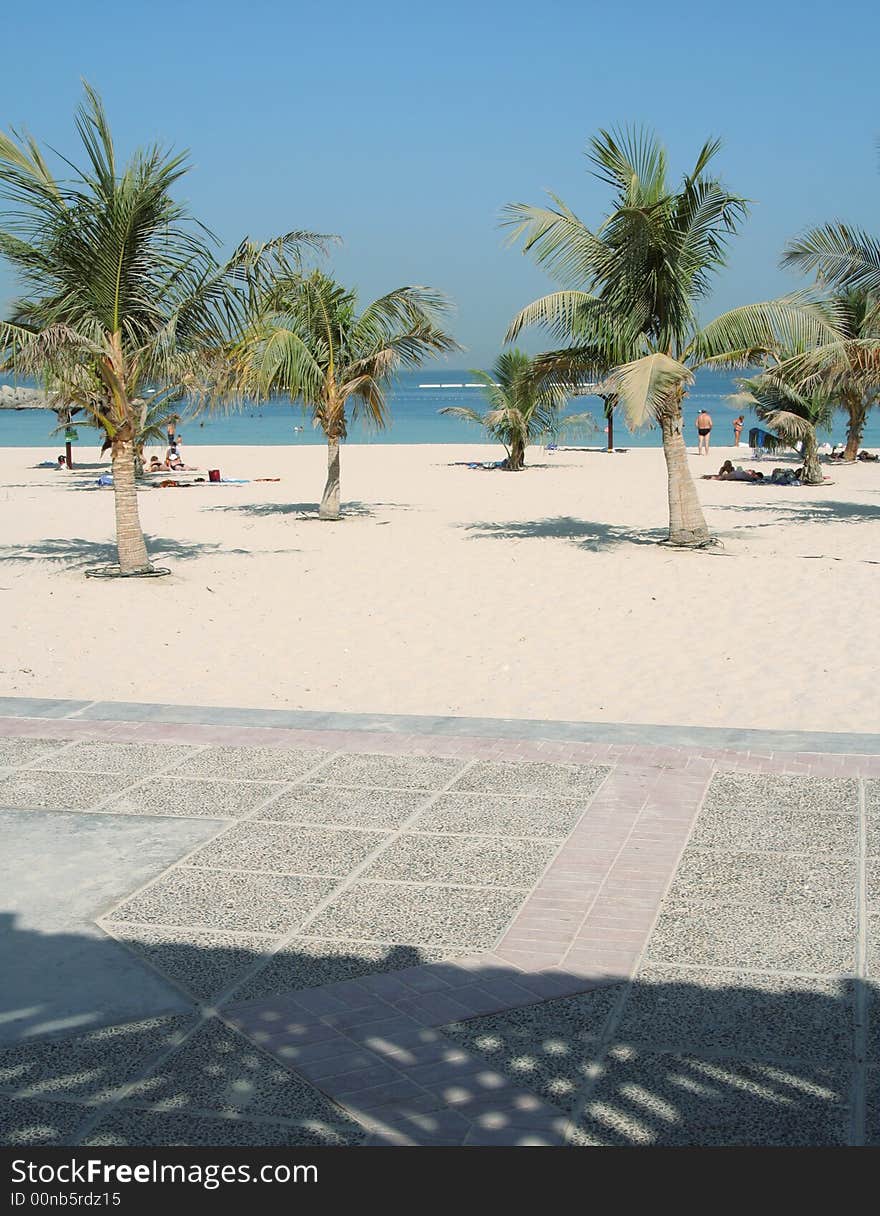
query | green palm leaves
(524,404)
(306,338)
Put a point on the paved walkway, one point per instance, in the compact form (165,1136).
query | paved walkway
(385,931)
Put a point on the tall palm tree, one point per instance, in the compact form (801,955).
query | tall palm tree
(309,340)
(843,257)
(523,406)
(631,288)
(122,290)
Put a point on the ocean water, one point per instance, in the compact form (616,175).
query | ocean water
(415,418)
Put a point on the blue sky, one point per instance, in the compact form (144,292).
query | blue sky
(406,130)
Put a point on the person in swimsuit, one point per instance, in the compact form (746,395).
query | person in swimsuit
(704,429)
(738,429)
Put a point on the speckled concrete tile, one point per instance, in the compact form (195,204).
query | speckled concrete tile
(311,963)
(718,879)
(338,806)
(499,815)
(872,1009)
(784,937)
(33,789)
(872,1108)
(90,1067)
(97,756)
(474,860)
(872,836)
(125,1127)
(872,796)
(26,751)
(747,790)
(547,1048)
(252,763)
(390,772)
(34,1124)
(679,1100)
(532,777)
(872,943)
(214,899)
(872,884)
(203,964)
(176,796)
(430,916)
(776,830)
(281,848)
(218,1071)
(740,1013)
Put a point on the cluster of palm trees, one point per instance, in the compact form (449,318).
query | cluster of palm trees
(626,311)
(127,309)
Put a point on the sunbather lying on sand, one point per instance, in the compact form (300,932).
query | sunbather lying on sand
(728,473)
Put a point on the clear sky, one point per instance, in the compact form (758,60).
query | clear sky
(406,128)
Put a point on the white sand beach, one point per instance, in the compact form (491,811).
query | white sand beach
(539,594)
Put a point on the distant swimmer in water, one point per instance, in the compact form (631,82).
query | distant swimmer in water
(297,429)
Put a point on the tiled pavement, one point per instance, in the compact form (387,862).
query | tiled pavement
(351,935)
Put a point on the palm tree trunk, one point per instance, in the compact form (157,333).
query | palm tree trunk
(329,508)
(609,414)
(812,469)
(130,544)
(517,458)
(687,525)
(857,412)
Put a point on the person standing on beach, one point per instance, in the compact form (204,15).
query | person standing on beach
(738,429)
(704,429)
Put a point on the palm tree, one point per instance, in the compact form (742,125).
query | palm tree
(122,290)
(641,276)
(794,413)
(849,261)
(308,340)
(523,406)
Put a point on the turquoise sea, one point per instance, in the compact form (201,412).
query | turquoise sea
(414,418)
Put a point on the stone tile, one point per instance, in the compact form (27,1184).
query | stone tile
(747,790)
(719,879)
(252,763)
(498,815)
(473,860)
(126,1127)
(872,839)
(532,777)
(429,916)
(212,899)
(280,848)
(33,789)
(872,796)
(547,1048)
(785,937)
(872,884)
(390,772)
(203,964)
(872,935)
(26,751)
(175,796)
(218,1071)
(33,1124)
(91,1066)
(679,1100)
(312,963)
(339,806)
(872,1107)
(739,1013)
(775,830)
(98,756)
